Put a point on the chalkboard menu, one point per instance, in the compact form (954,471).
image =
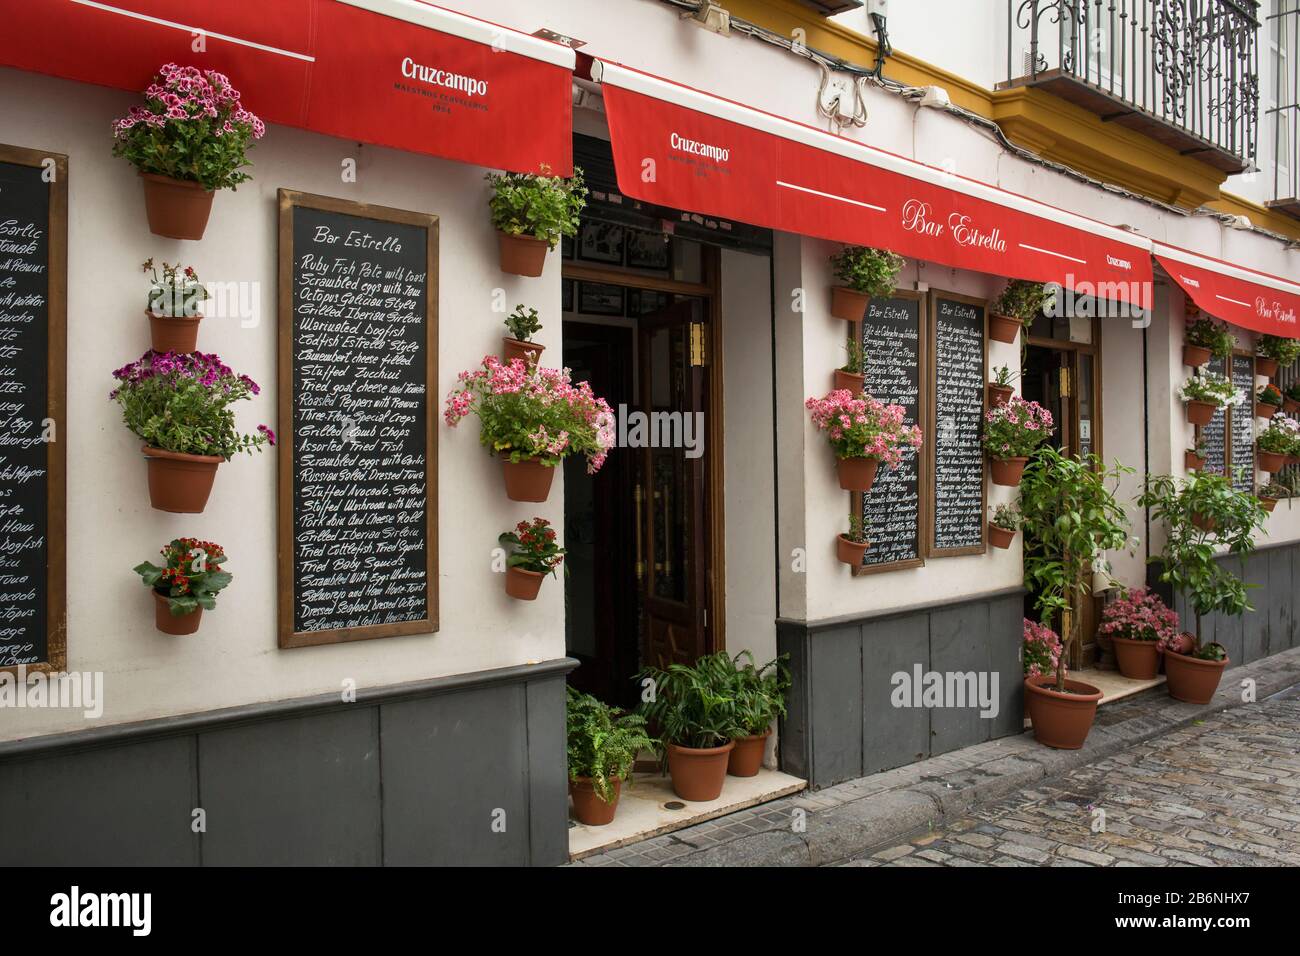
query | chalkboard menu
(358,341)
(891,510)
(1243,425)
(958,337)
(1214,436)
(33,355)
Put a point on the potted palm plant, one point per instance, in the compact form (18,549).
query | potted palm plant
(1012,432)
(1205,394)
(1016,307)
(1268,401)
(1000,389)
(1069,515)
(1200,514)
(862,432)
(867,274)
(186,583)
(1274,351)
(1140,625)
(850,376)
(603,743)
(1277,443)
(760,701)
(189,139)
(1206,339)
(522,325)
(852,547)
(1003,526)
(531,212)
(693,708)
(173,307)
(180,407)
(532,553)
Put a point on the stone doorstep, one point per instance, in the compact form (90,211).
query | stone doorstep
(862,817)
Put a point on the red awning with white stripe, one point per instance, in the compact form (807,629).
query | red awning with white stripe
(1246,298)
(400,73)
(678,147)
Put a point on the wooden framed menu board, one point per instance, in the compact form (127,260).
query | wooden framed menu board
(893,361)
(358,340)
(1214,436)
(1243,424)
(958,346)
(33,429)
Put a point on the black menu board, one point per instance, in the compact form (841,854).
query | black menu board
(1243,425)
(891,510)
(1214,436)
(958,334)
(33,286)
(358,340)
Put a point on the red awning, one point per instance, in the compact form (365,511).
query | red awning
(676,146)
(1246,298)
(400,73)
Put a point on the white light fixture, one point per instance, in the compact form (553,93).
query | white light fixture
(935,97)
(710,16)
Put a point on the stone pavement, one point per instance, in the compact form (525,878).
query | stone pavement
(898,811)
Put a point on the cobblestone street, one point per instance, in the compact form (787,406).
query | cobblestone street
(1222,791)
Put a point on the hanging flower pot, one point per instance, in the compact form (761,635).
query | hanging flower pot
(527,480)
(852,381)
(176,208)
(849,551)
(747,756)
(523,584)
(1016,306)
(1013,432)
(522,255)
(527,352)
(1290,405)
(999,394)
(1008,471)
(1136,660)
(1195,356)
(847,304)
(172,307)
(1265,410)
(698,773)
(1265,366)
(862,432)
(1201,413)
(188,580)
(1061,720)
(1270,461)
(175,624)
(1192,679)
(866,273)
(180,483)
(531,212)
(1267,503)
(534,554)
(1003,328)
(1204,522)
(588,807)
(1000,537)
(1192,461)
(168,334)
(857,474)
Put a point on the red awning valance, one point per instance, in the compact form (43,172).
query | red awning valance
(400,73)
(681,148)
(1246,298)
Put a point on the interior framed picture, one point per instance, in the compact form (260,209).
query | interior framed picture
(648,250)
(644,301)
(601,242)
(598,298)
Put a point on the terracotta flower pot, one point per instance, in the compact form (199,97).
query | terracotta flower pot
(854,382)
(850,552)
(1201,413)
(1191,679)
(1265,410)
(1003,328)
(1267,503)
(1265,366)
(999,394)
(1061,720)
(1137,660)
(176,208)
(512,349)
(180,483)
(747,757)
(1290,405)
(1007,471)
(1000,537)
(522,255)
(1193,461)
(1195,356)
(527,480)
(167,334)
(1204,523)
(857,474)
(1269,461)
(523,584)
(588,807)
(847,304)
(170,623)
(699,773)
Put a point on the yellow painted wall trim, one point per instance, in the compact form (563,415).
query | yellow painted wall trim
(1259,215)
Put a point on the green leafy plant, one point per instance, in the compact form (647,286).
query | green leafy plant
(694,705)
(175,293)
(1276,490)
(1003,376)
(1016,428)
(1206,333)
(1281,437)
(866,270)
(855,353)
(532,547)
(1006,517)
(1285,351)
(603,742)
(1270,394)
(1201,513)
(1293,391)
(1023,300)
(523,325)
(857,529)
(1070,517)
(760,691)
(1208,387)
(190,576)
(537,205)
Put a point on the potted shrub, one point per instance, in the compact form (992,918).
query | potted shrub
(1277,443)
(863,432)
(1000,389)
(1268,401)
(1291,398)
(173,307)
(531,555)
(1069,515)
(1003,526)
(522,325)
(1271,494)
(850,376)
(866,273)
(190,139)
(1205,394)
(1040,650)
(1206,339)
(186,583)
(533,418)
(1188,562)
(1012,432)
(603,743)
(852,547)
(1016,307)
(760,700)
(1139,625)
(693,708)
(1274,351)
(1194,457)
(531,212)
(180,407)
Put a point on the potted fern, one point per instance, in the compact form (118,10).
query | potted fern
(851,548)
(603,743)
(850,375)
(1000,389)
(1019,304)
(1205,394)
(1206,339)
(760,701)
(1003,526)
(531,212)
(866,273)
(1274,351)
(522,325)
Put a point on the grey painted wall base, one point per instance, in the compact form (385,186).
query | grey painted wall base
(842,723)
(453,771)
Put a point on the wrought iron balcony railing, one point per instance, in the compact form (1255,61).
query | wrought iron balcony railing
(1282,115)
(1183,72)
